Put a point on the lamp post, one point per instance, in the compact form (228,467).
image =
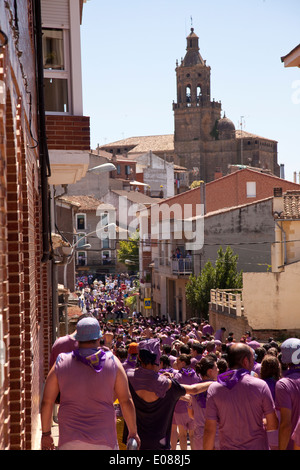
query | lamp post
(104,168)
(97,178)
(68,253)
(87,245)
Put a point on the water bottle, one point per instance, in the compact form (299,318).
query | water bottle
(132,444)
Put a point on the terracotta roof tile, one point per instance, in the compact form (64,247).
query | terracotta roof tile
(291,205)
(156,143)
(243,134)
(84,203)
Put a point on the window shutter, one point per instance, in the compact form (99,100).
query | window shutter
(55,13)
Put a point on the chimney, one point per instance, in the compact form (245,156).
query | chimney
(277,192)
(203,196)
(277,201)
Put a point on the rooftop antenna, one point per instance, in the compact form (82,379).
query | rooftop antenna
(241,124)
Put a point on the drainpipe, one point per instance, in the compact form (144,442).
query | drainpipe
(43,148)
(284,242)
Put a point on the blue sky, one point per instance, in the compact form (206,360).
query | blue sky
(129,53)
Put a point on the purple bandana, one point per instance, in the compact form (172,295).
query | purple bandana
(162,371)
(94,360)
(131,360)
(188,372)
(201,397)
(231,377)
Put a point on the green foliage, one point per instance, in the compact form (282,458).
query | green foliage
(131,300)
(223,275)
(215,132)
(191,293)
(227,276)
(128,252)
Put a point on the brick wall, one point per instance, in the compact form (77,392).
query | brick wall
(4,388)
(15,278)
(25,283)
(232,189)
(68,132)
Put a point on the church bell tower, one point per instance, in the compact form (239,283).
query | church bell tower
(195,114)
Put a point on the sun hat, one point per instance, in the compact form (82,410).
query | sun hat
(88,329)
(290,351)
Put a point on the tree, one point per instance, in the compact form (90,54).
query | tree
(224,275)
(128,252)
(227,276)
(207,281)
(131,300)
(191,293)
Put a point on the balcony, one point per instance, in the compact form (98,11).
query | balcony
(96,263)
(227,301)
(182,266)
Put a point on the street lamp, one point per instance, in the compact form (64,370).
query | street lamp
(69,251)
(105,167)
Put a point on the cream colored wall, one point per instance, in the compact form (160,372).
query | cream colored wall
(275,303)
(292,230)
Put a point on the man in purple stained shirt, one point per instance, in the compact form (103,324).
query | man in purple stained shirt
(207,329)
(89,379)
(155,396)
(219,334)
(287,393)
(238,403)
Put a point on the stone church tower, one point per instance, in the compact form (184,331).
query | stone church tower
(204,142)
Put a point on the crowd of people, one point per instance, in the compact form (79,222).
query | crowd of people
(168,385)
(105,298)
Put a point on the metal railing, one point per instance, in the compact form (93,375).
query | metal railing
(182,266)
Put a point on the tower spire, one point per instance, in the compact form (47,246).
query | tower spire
(193,56)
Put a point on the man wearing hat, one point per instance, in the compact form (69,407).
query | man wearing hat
(131,360)
(287,392)
(86,417)
(155,397)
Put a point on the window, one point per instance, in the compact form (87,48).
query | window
(199,94)
(104,219)
(106,259)
(188,95)
(82,258)
(56,95)
(105,243)
(251,189)
(81,240)
(56,70)
(53,49)
(80,222)
(127,169)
